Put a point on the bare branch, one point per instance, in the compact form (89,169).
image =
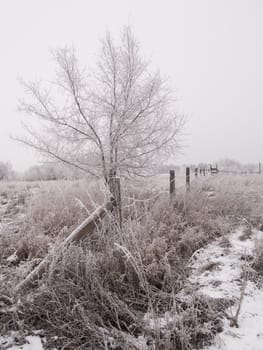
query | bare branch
(121,119)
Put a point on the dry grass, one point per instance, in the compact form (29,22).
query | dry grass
(257,263)
(96,296)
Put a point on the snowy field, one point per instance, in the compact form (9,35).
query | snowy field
(221,269)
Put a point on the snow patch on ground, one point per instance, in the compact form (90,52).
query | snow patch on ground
(217,273)
(249,335)
(32,343)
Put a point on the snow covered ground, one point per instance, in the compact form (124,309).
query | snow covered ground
(249,335)
(217,272)
(32,343)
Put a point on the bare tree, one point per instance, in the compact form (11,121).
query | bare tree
(117,120)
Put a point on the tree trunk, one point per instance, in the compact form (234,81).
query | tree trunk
(115,190)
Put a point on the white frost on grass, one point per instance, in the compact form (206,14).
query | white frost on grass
(217,273)
(154,322)
(12,258)
(33,343)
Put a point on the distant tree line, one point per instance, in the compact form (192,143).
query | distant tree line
(6,171)
(48,172)
(164,169)
(41,172)
(225,164)
(57,171)
(232,165)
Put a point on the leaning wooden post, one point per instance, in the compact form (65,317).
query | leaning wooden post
(115,189)
(172,183)
(84,229)
(187,178)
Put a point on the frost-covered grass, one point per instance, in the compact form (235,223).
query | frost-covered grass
(131,288)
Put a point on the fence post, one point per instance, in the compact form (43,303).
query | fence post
(187,178)
(115,189)
(259,168)
(172,183)
(196,172)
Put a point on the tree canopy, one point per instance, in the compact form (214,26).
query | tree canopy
(119,118)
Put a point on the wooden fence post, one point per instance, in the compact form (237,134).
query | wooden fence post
(187,173)
(172,183)
(259,168)
(196,172)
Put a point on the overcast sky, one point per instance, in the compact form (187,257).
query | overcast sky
(212,50)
